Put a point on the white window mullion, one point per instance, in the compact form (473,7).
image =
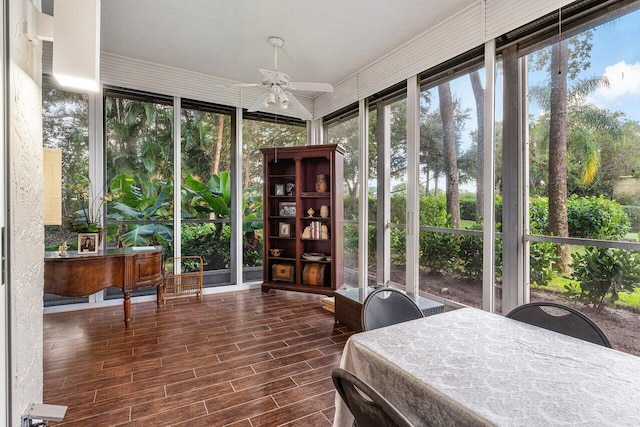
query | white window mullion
(363,194)
(413,191)
(384,193)
(488,210)
(97,176)
(237,195)
(177,178)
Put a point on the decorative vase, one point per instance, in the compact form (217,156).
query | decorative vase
(321,183)
(324,211)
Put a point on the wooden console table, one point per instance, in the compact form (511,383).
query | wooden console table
(80,275)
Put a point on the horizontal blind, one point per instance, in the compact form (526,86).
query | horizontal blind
(503,16)
(344,93)
(460,33)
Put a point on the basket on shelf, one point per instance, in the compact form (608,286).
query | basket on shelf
(181,284)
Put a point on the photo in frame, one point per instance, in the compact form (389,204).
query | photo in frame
(287,208)
(87,243)
(290,189)
(279,190)
(284,229)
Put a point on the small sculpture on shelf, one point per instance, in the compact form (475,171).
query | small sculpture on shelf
(321,183)
(306,234)
(310,212)
(324,211)
(62,249)
(324,232)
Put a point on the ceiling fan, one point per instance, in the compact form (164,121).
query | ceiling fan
(278,88)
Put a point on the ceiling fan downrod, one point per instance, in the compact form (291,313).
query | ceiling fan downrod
(276,42)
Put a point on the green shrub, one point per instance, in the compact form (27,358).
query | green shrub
(603,272)
(596,217)
(542,256)
(633,212)
(438,251)
(588,217)
(470,254)
(398,246)
(539,215)
(210,241)
(468,207)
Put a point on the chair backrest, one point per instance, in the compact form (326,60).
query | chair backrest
(568,321)
(388,306)
(368,407)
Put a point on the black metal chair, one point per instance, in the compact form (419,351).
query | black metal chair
(368,407)
(569,321)
(388,306)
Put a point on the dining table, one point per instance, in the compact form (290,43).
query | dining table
(469,367)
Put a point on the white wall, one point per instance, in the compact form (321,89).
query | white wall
(26,237)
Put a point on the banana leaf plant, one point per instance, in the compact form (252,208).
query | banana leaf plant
(128,203)
(214,197)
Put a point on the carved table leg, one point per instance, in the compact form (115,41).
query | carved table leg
(127,308)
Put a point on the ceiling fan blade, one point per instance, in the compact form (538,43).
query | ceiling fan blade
(316,87)
(295,105)
(258,104)
(236,84)
(274,76)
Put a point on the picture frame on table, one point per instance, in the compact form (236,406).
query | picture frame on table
(287,208)
(284,229)
(279,190)
(87,243)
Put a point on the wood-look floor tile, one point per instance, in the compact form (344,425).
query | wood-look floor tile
(316,419)
(170,417)
(249,394)
(329,359)
(233,414)
(315,374)
(105,419)
(244,359)
(200,382)
(151,407)
(77,412)
(263,377)
(238,362)
(287,360)
(295,411)
(307,391)
(134,387)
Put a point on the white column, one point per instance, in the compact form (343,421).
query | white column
(363,199)
(99,184)
(177,179)
(384,193)
(413,190)
(488,210)
(236,199)
(314,132)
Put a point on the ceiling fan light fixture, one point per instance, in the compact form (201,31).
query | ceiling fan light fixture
(284,101)
(271,98)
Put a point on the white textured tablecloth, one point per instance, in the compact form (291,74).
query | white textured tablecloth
(469,367)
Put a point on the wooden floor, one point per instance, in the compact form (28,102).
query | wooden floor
(241,359)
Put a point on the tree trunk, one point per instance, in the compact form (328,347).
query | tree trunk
(216,157)
(426,182)
(450,153)
(436,177)
(478,93)
(557,189)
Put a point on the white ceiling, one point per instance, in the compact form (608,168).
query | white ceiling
(324,40)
